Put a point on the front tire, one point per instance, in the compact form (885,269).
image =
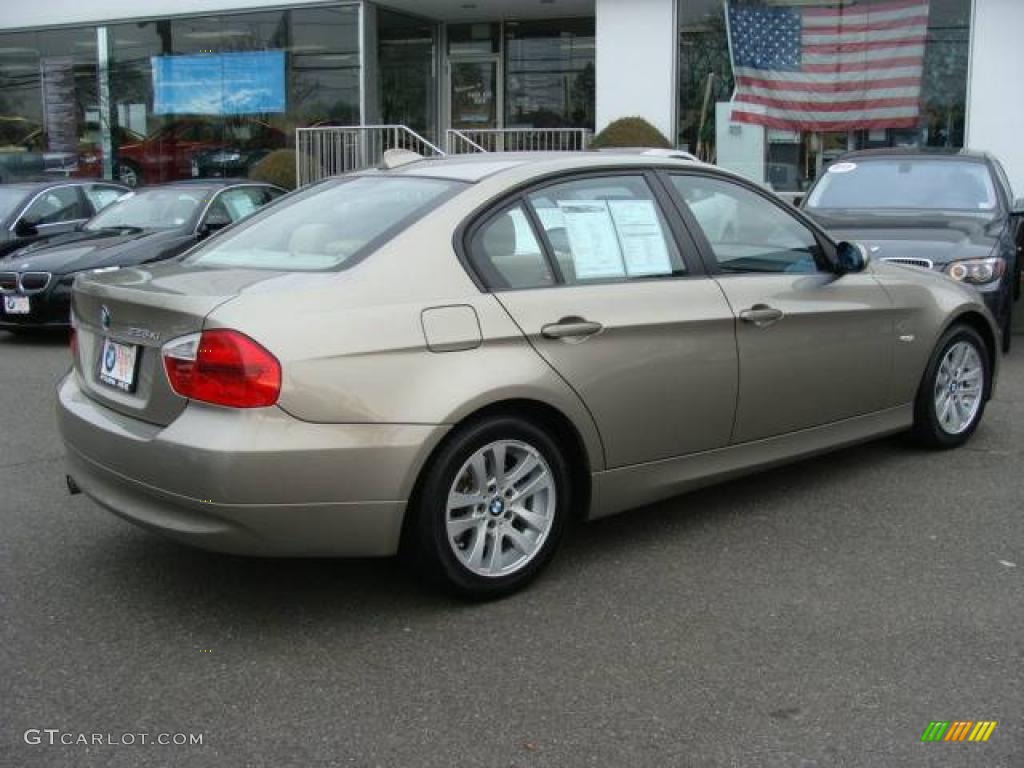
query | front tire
(954,391)
(492,507)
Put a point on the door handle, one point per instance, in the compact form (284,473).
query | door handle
(761,315)
(570,328)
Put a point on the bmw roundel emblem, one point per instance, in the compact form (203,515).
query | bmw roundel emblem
(105,317)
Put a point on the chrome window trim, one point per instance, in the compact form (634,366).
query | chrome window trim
(40,193)
(221,191)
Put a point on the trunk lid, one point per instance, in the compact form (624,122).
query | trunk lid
(145,307)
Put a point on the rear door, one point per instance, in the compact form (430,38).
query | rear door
(814,348)
(612,295)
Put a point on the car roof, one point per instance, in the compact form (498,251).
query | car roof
(39,186)
(917,152)
(212,182)
(480,165)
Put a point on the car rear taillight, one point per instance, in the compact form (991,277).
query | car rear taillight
(224,368)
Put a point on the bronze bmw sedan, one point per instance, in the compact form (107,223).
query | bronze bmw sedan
(458,357)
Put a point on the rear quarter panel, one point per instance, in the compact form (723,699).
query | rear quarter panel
(353,350)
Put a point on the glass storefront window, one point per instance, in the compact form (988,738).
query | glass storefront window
(212,95)
(465,39)
(407,72)
(203,95)
(794,156)
(549,74)
(48,101)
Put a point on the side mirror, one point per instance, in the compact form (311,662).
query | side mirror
(797,200)
(850,258)
(25,228)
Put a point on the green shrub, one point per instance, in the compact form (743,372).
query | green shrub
(630,132)
(276,168)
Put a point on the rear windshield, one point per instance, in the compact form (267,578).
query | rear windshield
(327,226)
(958,185)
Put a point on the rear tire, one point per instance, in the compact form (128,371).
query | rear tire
(955,388)
(491,508)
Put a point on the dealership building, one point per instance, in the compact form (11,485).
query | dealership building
(146,90)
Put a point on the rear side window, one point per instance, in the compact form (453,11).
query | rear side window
(606,229)
(507,255)
(327,226)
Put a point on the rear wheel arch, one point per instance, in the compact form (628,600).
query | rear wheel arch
(543,415)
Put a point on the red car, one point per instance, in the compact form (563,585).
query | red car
(167,154)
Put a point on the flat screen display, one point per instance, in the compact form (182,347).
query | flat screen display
(219,83)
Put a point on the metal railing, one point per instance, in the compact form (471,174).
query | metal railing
(327,151)
(461,141)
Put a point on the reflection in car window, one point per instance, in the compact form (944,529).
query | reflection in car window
(168,208)
(606,229)
(54,206)
(9,200)
(507,255)
(327,225)
(747,233)
(236,204)
(914,183)
(101,197)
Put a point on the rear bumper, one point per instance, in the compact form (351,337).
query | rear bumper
(253,482)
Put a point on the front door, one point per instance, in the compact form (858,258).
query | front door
(474,93)
(814,348)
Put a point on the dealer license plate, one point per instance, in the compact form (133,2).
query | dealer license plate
(118,365)
(17,305)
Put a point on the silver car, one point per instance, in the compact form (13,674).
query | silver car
(456,358)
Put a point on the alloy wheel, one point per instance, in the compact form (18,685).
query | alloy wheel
(500,508)
(959,388)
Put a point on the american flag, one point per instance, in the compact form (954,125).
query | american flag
(851,66)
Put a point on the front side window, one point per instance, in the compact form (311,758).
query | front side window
(746,232)
(606,229)
(55,206)
(907,183)
(326,226)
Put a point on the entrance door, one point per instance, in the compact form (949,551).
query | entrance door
(474,93)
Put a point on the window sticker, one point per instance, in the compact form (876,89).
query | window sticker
(592,238)
(640,237)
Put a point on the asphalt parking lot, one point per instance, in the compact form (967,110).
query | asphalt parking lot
(816,615)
